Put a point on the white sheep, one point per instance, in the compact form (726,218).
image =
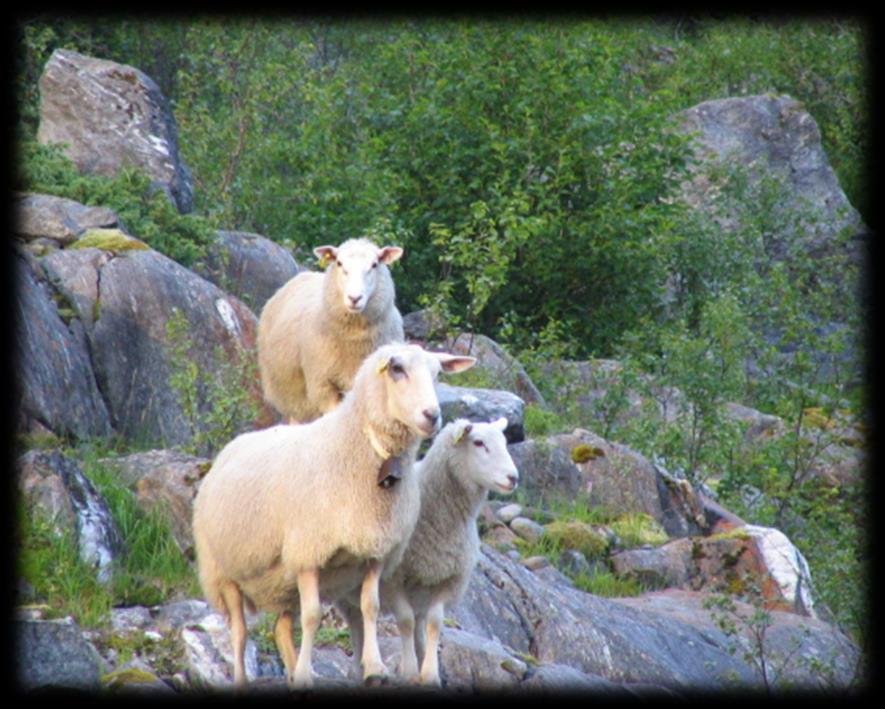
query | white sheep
(465,461)
(317,329)
(292,515)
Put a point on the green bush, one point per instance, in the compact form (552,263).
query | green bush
(145,212)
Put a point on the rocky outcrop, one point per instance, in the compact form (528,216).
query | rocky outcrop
(134,353)
(483,405)
(116,338)
(57,389)
(54,655)
(773,136)
(750,561)
(56,486)
(248,266)
(109,116)
(165,481)
(45,218)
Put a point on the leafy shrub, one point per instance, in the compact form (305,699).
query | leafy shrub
(144,211)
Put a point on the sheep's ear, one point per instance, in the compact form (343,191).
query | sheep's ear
(454,363)
(389,254)
(325,254)
(462,431)
(501,423)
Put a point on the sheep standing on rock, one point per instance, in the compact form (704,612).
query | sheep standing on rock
(292,515)
(317,329)
(465,461)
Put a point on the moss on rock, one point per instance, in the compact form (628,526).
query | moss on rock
(579,536)
(112,240)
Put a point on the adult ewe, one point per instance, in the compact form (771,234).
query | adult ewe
(317,329)
(465,461)
(290,515)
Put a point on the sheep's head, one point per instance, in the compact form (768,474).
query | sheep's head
(355,268)
(483,454)
(408,374)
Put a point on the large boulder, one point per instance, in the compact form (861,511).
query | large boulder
(623,641)
(801,653)
(136,354)
(611,475)
(248,266)
(109,116)
(495,365)
(55,485)
(42,216)
(757,563)
(56,388)
(774,136)
(483,405)
(54,655)
(167,481)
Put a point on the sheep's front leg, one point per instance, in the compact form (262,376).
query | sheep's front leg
(373,666)
(283,635)
(233,602)
(405,623)
(430,665)
(311,614)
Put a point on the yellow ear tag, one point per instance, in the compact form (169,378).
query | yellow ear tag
(325,260)
(382,366)
(459,435)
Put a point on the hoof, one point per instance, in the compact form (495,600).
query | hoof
(376,680)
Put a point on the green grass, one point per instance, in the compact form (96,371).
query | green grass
(607,584)
(153,568)
(50,563)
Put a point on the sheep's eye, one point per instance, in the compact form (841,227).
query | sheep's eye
(479,444)
(397,368)
(375,265)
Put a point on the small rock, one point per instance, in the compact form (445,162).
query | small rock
(502,538)
(536,562)
(508,513)
(574,563)
(527,529)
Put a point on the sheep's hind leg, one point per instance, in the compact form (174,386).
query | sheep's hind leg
(354,619)
(405,623)
(311,615)
(283,635)
(233,601)
(430,664)
(373,666)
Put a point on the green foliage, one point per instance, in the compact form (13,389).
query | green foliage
(153,568)
(607,585)
(216,405)
(145,212)
(49,561)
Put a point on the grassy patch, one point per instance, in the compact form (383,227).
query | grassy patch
(607,584)
(638,529)
(49,561)
(153,568)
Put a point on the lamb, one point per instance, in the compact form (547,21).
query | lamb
(317,329)
(290,516)
(465,461)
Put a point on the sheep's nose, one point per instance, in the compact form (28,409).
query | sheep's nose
(355,299)
(514,481)
(432,415)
